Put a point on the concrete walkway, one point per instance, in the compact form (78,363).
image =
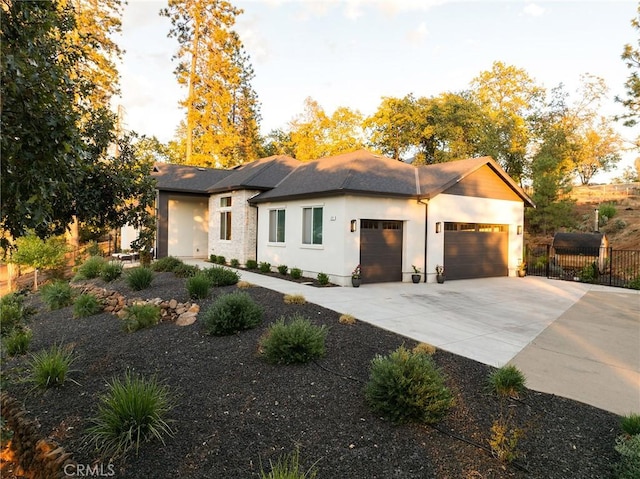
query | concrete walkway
(576,340)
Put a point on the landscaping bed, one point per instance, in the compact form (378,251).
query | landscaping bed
(235,413)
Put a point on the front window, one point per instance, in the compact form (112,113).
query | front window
(312,225)
(276,226)
(225,225)
(225,202)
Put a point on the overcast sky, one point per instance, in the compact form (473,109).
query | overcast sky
(354,52)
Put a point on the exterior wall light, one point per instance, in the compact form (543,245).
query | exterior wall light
(519,229)
(438,227)
(353,226)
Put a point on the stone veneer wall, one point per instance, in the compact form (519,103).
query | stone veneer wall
(244,221)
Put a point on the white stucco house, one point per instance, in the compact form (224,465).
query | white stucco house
(333,214)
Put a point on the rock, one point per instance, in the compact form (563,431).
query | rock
(194,308)
(173,304)
(186,319)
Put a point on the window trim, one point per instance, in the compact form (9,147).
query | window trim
(312,234)
(278,228)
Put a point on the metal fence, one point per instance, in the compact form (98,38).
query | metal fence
(605,266)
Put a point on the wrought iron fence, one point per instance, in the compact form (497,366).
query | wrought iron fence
(605,266)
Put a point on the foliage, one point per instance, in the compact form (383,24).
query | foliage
(57,295)
(265,267)
(356,273)
(167,264)
(628,466)
(133,411)
(630,424)
(346,319)
(283,269)
(111,271)
(631,102)
(323,279)
(424,348)
(407,387)
(294,299)
(140,316)
(198,286)
(505,436)
(219,276)
(252,264)
(607,210)
(91,268)
(635,283)
(231,313)
(507,381)
(288,467)
(12,312)
(40,254)
(296,341)
(588,273)
(49,368)
(244,284)
(221,260)
(296,273)
(139,278)
(186,270)
(86,305)
(17,342)
(234,263)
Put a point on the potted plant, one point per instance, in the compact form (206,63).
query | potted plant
(439,274)
(522,269)
(415,277)
(356,278)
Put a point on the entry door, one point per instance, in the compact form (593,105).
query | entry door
(381,250)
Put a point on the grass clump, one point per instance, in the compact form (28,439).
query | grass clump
(265,267)
(628,466)
(507,381)
(297,341)
(347,319)
(167,264)
(11,313)
(630,424)
(86,305)
(252,264)
(288,467)
(244,284)
(407,387)
(231,313)
(283,269)
(139,278)
(505,436)
(141,316)
(424,348)
(323,279)
(606,211)
(17,342)
(49,368)
(91,268)
(198,286)
(57,295)
(294,299)
(296,273)
(111,271)
(219,276)
(133,411)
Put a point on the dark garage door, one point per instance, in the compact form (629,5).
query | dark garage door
(473,250)
(381,250)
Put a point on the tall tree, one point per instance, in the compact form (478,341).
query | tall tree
(631,56)
(393,127)
(222,110)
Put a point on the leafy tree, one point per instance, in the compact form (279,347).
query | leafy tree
(631,56)
(393,127)
(277,142)
(39,254)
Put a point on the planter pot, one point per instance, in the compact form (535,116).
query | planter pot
(416,278)
(440,278)
(521,273)
(355,282)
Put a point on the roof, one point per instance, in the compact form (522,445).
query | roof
(262,174)
(567,243)
(186,178)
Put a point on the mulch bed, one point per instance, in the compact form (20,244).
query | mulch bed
(235,413)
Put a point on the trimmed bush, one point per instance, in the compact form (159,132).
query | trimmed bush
(134,410)
(296,273)
(407,387)
(265,267)
(252,264)
(139,278)
(288,467)
(295,342)
(49,368)
(140,316)
(630,424)
(186,270)
(628,466)
(86,305)
(507,381)
(166,264)
(91,268)
(57,295)
(283,269)
(111,271)
(231,313)
(323,279)
(221,260)
(234,263)
(294,299)
(219,276)
(198,286)
(17,342)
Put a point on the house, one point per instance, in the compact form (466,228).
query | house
(358,208)
(577,250)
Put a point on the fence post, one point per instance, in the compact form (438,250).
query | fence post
(546,265)
(610,248)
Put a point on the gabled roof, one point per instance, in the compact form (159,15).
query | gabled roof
(186,178)
(357,172)
(262,174)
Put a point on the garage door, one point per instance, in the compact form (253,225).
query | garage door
(381,250)
(473,250)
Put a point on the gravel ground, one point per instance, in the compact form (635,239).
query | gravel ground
(235,413)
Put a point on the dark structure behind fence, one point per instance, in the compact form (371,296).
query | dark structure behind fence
(605,266)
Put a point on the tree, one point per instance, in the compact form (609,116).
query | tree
(39,254)
(631,102)
(393,127)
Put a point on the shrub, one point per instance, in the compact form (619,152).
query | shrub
(212,258)
(288,467)
(111,271)
(589,273)
(505,436)
(252,264)
(234,263)
(628,466)
(49,368)
(606,211)
(323,279)
(86,305)
(346,319)
(630,424)
(40,254)
(244,284)
(297,341)
(198,286)
(231,313)
(425,348)
(139,278)
(296,273)
(283,269)
(635,283)
(134,410)
(405,387)
(221,260)
(219,276)
(166,264)
(57,295)
(91,268)
(11,313)
(265,267)
(294,299)
(17,342)
(140,316)
(507,381)
(186,270)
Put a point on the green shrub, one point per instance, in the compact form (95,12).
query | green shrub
(295,342)
(234,263)
(265,267)
(323,279)
(86,305)
(507,381)
(635,283)
(212,258)
(49,368)
(630,424)
(57,295)
(628,466)
(198,286)
(140,316)
(166,264)
(231,313)
(505,437)
(283,269)
(222,260)
(296,273)
(93,249)
(252,264)
(91,268)
(219,276)
(589,273)
(186,270)
(17,342)
(134,410)
(407,387)
(11,313)
(288,467)
(139,278)
(111,271)
(606,211)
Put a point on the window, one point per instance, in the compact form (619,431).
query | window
(312,225)
(225,202)
(225,225)
(276,226)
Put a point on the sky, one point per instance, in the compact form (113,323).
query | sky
(352,53)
